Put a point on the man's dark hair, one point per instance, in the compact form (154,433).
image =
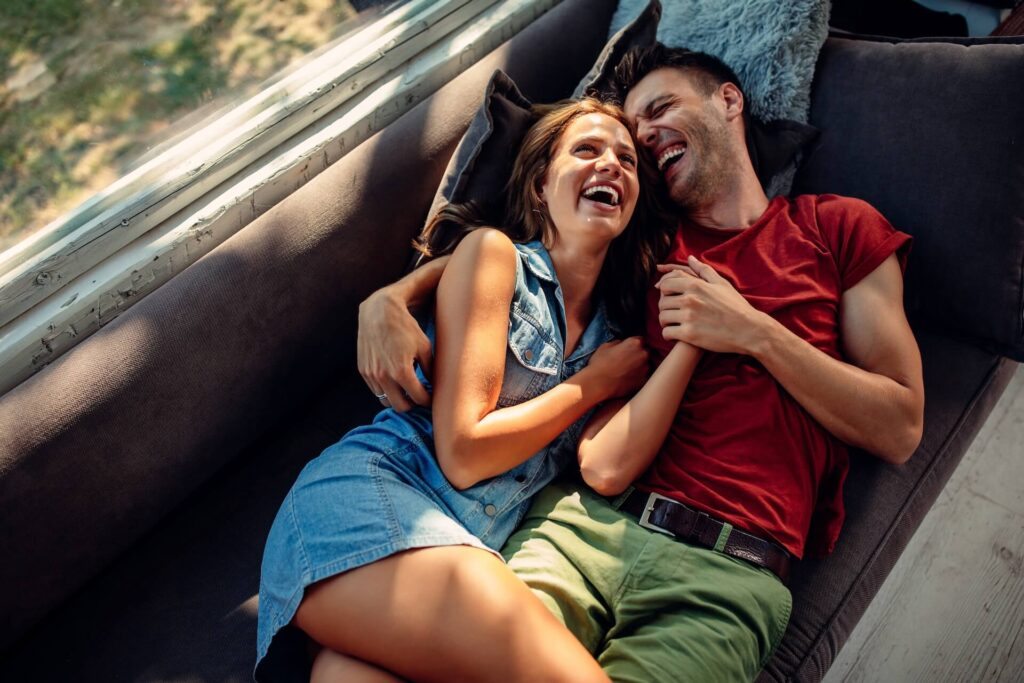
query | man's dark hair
(708,72)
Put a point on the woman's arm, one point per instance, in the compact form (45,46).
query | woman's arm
(389,340)
(621,439)
(474,441)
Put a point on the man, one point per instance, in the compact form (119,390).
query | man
(797,304)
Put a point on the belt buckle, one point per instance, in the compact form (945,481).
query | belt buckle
(645,522)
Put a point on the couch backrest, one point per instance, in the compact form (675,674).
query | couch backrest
(932,134)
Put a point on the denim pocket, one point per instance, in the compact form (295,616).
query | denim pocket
(532,365)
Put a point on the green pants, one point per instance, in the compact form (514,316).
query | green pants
(650,608)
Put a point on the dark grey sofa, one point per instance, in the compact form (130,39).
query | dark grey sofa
(140,472)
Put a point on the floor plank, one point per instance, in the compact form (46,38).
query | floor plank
(953,607)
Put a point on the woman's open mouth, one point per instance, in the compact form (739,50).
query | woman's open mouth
(603,195)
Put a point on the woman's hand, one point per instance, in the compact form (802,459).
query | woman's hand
(621,365)
(622,438)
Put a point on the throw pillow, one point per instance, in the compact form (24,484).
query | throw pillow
(483,160)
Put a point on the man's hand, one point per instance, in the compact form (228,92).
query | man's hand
(388,342)
(700,307)
(872,400)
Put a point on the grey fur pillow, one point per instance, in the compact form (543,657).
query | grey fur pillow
(772,46)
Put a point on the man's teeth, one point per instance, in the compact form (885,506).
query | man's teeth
(612,193)
(670,155)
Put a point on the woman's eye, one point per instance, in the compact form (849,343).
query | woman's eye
(585,147)
(628,159)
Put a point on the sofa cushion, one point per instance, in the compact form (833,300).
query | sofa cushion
(180,605)
(777,148)
(934,138)
(99,446)
(885,504)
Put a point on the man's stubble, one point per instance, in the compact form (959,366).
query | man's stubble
(714,168)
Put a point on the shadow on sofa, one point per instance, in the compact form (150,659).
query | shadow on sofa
(140,473)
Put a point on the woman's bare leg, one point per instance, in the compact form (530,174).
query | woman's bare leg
(331,667)
(451,613)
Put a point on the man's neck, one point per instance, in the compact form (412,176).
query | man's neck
(738,206)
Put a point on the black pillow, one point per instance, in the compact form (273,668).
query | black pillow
(777,148)
(480,167)
(931,132)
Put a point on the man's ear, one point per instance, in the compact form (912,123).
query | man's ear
(733,99)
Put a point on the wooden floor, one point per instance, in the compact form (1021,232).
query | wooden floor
(953,607)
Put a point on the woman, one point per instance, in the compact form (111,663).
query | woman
(384,550)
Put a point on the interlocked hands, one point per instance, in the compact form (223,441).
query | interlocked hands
(702,308)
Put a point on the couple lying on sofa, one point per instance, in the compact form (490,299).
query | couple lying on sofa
(778,334)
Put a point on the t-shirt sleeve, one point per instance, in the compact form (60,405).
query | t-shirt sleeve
(859,237)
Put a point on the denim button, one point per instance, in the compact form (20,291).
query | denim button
(528,355)
(489,510)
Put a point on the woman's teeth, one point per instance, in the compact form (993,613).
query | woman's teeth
(603,193)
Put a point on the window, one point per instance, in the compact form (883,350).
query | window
(91,89)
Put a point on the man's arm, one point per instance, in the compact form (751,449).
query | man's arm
(874,402)
(389,340)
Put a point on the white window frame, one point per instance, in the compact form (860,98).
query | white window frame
(64,283)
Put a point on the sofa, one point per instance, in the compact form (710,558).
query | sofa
(140,472)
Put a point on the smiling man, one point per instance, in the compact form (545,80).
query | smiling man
(797,306)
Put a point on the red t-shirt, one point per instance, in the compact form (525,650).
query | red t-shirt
(740,447)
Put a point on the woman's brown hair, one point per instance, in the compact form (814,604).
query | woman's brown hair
(629,264)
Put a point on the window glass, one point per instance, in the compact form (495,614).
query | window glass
(91,88)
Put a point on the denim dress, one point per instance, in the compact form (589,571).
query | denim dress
(380,490)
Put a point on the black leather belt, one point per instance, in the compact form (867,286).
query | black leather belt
(658,513)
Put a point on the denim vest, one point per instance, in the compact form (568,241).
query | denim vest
(534,363)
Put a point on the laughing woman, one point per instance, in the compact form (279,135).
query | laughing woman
(383,552)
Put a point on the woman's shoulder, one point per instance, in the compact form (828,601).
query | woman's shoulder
(488,248)
(489,242)
(486,256)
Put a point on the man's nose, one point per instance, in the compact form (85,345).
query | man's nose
(645,134)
